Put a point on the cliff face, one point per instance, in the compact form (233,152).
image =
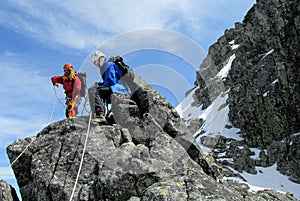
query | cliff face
(262,83)
(147,154)
(264,79)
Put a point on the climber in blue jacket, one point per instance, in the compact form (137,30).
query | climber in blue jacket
(100,92)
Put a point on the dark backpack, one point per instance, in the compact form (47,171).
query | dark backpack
(128,74)
(82,77)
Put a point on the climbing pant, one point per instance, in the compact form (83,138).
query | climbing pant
(72,106)
(99,96)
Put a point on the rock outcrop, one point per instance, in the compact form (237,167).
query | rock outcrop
(146,154)
(263,87)
(7,192)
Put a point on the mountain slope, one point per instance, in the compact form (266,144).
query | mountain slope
(245,107)
(146,154)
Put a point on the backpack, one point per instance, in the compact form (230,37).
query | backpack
(82,77)
(128,74)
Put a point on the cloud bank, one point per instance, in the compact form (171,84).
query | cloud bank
(81,24)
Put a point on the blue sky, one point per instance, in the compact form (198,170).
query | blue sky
(164,41)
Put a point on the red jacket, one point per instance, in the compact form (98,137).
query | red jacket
(72,87)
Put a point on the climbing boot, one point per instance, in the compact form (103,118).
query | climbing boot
(100,119)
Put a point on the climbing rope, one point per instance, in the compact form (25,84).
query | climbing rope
(85,105)
(52,112)
(51,116)
(84,148)
(81,161)
(55,92)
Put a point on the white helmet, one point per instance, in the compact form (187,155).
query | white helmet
(95,58)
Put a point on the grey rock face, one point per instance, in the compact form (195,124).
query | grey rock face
(148,155)
(263,86)
(7,192)
(264,78)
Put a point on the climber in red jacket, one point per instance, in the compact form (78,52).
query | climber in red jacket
(72,86)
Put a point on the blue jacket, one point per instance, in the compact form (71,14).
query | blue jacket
(111,78)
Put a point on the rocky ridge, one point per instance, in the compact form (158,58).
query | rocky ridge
(263,89)
(146,154)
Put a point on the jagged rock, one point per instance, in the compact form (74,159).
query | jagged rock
(195,124)
(263,84)
(287,154)
(112,170)
(266,69)
(7,192)
(147,156)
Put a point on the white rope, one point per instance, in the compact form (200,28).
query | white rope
(53,108)
(52,112)
(83,152)
(84,148)
(21,154)
(84,107)
(55,92)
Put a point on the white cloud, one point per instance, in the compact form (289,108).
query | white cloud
(155,39)
(26,99)
(165,76)
(6,173)
(22,86)
(82,24)
(18,128)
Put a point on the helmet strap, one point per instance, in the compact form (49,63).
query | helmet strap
(101,61)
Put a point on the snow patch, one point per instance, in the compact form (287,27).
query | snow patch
(275,81)
(270,178)
(185,108)
(268,53)
(296,134)
(256,153)
(266,94)
(216,119)
(225,70)
(233,46)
